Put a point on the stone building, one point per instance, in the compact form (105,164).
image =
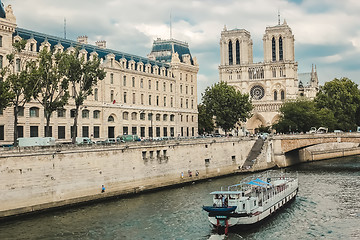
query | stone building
(269,83)
(150,97)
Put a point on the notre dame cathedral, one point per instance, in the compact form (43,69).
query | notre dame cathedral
(269,83)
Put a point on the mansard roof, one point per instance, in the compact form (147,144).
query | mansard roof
(66,43)
(163,49)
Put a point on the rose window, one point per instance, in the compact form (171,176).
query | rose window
(257,92)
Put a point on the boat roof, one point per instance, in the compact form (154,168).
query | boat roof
(226,192)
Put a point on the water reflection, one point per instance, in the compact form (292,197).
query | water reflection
(327,207)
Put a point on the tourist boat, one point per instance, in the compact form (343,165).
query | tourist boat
(252,200)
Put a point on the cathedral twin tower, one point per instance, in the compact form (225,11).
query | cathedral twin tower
(268,83)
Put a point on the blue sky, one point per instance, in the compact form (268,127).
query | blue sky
(327,32)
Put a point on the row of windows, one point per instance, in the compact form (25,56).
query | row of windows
(150,100)
(132,65)
(273,47)
(157,83)
(237,52)
(281,72)
(17,63)
(139,66)
(186,77)
(165,117)
(85,131)
(282,95)
(85,114)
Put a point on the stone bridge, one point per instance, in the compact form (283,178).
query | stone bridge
(286,147)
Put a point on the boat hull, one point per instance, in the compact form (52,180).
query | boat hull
(251,219)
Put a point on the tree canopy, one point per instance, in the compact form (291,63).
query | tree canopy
(227,105)
(336,106)
(342,98)
(17,80)
(205,120)
(52,86)
(83,76)
(300,115)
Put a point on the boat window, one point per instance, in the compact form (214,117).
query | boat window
(243,205)
(255,203)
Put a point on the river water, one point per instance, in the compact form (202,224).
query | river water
(327,207)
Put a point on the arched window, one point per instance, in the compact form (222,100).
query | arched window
(1,40)
(111,119)
(96,114)
(96,94)
(72,113)
(158,117)
(85,113)
(125,115)
(1,61)
(34,112)
(280,49)
(282,95)
(237,52)
(275,95)
(230,53)
(17,65)
(111,78)
(111,95)
(273,50)
(172,117)
(165,116)
(133,116)
(61,113)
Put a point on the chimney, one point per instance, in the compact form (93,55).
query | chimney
(82,39)
(101,44)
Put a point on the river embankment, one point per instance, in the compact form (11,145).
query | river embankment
(35,179)
(41,178)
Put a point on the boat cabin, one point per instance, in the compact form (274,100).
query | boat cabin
(244,202)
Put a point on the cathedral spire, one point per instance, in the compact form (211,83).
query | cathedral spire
(278,17)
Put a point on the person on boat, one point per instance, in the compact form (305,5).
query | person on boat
(102,188)
(190,174)
(182,175)
(197,173)
(226,201)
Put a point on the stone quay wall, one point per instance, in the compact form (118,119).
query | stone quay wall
(35,179)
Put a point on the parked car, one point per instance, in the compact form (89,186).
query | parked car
(128,138)
(83,140)
(110,141)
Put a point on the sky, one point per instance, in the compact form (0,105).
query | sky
(327,32)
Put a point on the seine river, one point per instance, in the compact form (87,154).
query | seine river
(327,207)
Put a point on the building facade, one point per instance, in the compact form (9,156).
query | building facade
(269,83)
(154,96)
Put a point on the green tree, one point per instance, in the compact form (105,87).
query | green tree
(83,75)
(20,84)
(227,105)
(5,94)
(52,88)
(300,115)
(205,120)
(342,98)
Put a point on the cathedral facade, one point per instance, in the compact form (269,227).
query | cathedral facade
(269,83)
(154,96)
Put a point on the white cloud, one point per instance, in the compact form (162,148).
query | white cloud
(131,26)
